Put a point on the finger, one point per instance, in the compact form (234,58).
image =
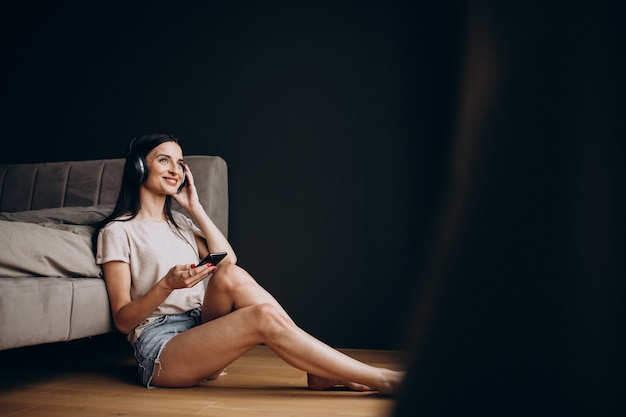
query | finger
(204,271)
(185,273)
(194,277)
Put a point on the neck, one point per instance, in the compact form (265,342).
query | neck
(152,207)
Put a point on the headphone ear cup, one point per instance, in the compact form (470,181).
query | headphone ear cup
(135,168)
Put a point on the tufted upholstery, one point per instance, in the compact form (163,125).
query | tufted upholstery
(87,183)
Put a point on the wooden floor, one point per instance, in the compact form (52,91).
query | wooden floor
(97,377)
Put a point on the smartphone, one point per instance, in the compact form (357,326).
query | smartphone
(213,258)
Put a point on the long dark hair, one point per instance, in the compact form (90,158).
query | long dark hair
(128,198)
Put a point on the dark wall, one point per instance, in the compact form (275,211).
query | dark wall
(334,117)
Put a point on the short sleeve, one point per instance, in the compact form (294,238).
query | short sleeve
(112,244)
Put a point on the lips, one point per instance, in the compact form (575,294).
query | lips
(172,181)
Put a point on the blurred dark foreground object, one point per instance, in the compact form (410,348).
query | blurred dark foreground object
(520,308)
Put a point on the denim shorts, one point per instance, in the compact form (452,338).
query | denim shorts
(155,336)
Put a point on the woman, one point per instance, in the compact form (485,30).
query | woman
(182,333)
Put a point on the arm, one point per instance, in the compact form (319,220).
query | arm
(127,313)
(214,239)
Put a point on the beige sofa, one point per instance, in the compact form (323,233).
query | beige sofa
(51,290)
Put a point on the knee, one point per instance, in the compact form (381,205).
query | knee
(271,322)
(229,277)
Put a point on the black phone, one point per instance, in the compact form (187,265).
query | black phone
(213,258)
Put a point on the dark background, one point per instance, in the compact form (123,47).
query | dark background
(334,118)
(443,177)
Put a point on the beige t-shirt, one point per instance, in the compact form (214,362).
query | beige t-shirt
(152,249)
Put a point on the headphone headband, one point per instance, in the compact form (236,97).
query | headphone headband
(130,146)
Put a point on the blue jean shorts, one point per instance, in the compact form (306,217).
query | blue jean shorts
(155,336)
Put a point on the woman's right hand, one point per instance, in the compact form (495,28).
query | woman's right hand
(187,275)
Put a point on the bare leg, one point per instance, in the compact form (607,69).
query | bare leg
(205,350)
(231,288)
(246,316)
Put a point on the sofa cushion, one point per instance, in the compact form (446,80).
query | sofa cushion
(91,313)
(54,242)
(61,215)
(29,249)
(34,311)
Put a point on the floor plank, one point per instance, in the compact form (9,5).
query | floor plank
(96,377)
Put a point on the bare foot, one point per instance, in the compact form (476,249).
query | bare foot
(393,383)
(319,383)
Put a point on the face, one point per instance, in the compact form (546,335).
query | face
(165,168)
